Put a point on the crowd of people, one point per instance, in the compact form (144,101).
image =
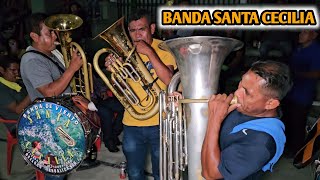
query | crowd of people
(242,140)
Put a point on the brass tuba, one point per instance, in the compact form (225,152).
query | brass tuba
(183,128)
(64,23)
(140,106)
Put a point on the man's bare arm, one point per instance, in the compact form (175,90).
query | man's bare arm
(57,87)
(218,107)
(210,154)
(18,107)
(164,72)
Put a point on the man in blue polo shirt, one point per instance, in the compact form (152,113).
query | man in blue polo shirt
(244,139)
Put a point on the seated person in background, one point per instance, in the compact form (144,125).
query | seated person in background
(305,66)
(246,138)
(111,125)
(13,95)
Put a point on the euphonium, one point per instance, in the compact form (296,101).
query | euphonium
(63,24)
(140,106)
(183,127)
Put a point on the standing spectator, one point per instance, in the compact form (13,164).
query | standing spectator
(305,66)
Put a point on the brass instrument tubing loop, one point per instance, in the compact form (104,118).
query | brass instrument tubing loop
(63,24)
(133,68)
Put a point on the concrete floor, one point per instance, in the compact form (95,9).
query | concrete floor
(20,171)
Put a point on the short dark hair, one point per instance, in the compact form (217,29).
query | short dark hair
(277,75)
(35,22)
(138,14)
(6,61)
(76,4)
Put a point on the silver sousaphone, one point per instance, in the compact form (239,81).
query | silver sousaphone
(183,128)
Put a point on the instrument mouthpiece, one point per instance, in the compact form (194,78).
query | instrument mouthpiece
(234,100)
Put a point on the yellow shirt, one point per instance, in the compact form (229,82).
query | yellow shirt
(167,59)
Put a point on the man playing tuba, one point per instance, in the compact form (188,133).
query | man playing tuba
(138,134)
(247,138)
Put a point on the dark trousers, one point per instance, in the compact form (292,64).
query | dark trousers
(111,125)
(295,119)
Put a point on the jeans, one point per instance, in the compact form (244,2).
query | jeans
(111,126)
(136,141)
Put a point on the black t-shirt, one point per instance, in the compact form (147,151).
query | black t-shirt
(243,154)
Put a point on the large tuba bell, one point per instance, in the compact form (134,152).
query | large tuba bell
(140,106)
(63,24)
(183,127)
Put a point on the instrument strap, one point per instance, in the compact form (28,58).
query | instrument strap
(46,56)
(147,86)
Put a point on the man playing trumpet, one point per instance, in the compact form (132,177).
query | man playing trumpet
(246,138)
